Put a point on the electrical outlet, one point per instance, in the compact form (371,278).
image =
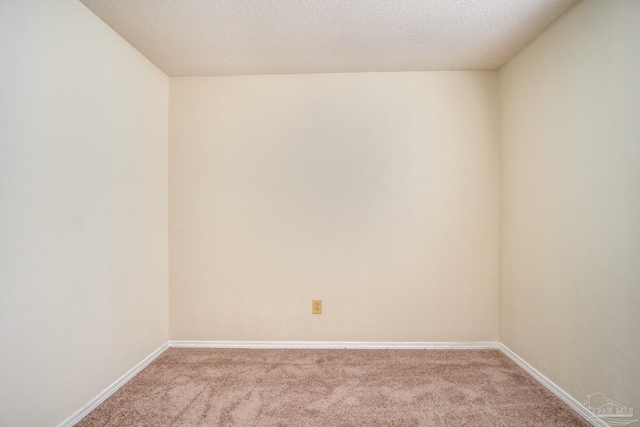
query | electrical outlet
(316,306)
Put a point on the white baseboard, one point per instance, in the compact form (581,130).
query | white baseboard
(73,419)
(334,345)
(566,397)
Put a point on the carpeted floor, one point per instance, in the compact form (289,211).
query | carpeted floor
(211,387)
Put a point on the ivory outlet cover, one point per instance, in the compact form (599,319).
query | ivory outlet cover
(316,307)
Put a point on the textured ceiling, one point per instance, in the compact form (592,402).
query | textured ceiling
(231,37)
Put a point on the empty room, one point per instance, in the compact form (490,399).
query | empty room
(319,213)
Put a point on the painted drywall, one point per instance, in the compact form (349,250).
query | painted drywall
(83,209)
(570,202)
(375,192)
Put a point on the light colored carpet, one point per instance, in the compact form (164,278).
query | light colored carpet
(211,387)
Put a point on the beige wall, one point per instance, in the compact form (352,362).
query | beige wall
(377,193)
(83,209)
(570,202)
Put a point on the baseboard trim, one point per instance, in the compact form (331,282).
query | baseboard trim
(334,345)
(80,414)
(551,386)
